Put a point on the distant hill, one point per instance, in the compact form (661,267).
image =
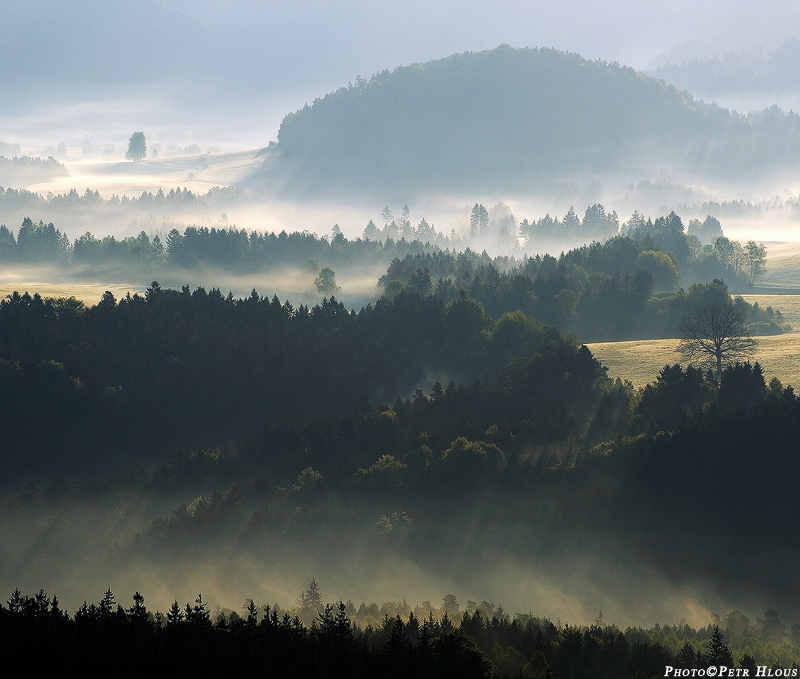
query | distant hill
(514,118)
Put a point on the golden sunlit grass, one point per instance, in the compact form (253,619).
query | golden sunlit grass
(89,293)
(641,360)
(788,305)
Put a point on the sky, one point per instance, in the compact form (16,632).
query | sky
(225,73)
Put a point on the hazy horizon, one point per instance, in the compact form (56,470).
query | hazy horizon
(190,67)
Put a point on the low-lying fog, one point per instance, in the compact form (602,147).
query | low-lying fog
(567,583)
(767,210)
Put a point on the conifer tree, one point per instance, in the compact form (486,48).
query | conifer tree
(718,654)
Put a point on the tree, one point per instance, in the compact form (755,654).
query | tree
(174,614)
(478,221)
(137,147)
(771,627)
(537,667)
(326,282)
(310,603)
(755,258)
(661,267)
(420,282)
(714,334)
(718,654)
(450,604)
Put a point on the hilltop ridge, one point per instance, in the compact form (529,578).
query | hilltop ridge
(510,118)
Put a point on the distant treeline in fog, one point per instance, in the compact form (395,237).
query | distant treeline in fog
(669,253)
(624,288)
(26,170)
(752,70)
(694,200)
(484,642)
(173,200)
(512,118)
(684,199)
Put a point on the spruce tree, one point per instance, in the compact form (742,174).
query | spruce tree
(718,654)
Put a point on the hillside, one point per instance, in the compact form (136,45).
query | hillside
(512,118)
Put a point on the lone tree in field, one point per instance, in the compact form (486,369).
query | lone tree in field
(715,334)
(137,147)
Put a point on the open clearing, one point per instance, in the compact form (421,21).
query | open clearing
(641,360)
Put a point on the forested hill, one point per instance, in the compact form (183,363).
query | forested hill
(509,118)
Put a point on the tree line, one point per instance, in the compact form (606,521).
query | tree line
(191,641)
(174,199)
(600,292)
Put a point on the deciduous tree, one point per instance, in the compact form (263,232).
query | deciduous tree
(137,147)
(716,334)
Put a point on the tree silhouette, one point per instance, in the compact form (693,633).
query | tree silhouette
(310,603)
(715,334)
(478,221)
(137,147)
(718,654)
(326,282)
(755,257)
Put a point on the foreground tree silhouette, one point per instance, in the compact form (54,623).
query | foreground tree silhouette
(137,147)
(718,654)
(715,334)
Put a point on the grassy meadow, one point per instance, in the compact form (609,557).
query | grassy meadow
(88,293)
(641,360)
(783,263)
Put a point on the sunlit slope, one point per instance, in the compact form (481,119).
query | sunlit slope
(198,173)
(514,118)
(640,361)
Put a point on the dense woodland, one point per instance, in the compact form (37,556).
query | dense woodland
(632,281)
(529,424)
(190,359)
(458,413)
(173,200)
(482,643)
